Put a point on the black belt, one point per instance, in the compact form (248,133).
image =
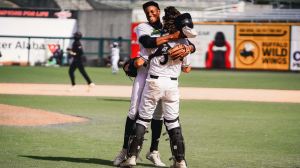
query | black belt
(156,77)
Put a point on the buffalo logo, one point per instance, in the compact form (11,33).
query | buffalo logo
(247,52)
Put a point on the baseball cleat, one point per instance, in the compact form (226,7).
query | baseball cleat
(120,157)
(154,157)
(92,85)
(129,162)
(180,164)
(72,88)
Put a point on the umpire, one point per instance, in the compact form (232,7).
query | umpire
(76,61)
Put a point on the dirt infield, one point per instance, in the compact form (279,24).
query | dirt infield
(21,116)
(190,93)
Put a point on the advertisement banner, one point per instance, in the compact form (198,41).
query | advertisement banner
(37,13)
(135,49)
(23,51)
(295,49)
(24,40)
(262,46)
(214,46)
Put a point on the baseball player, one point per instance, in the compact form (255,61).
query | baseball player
(162,85)
(76,52)
(149,38)
(115,56)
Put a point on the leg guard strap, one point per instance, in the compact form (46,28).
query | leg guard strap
(177,143)
(170,124)
(136,141)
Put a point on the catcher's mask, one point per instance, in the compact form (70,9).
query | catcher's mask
(77,35)
(184,23)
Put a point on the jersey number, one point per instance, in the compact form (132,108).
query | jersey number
(166,59)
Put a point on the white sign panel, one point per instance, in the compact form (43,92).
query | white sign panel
(33,50)
(49,27)
(214,46)
(295,49)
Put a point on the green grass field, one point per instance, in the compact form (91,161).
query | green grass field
(218,134)
(197,78)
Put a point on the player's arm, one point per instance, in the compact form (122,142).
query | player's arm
(186,64)
(77,49)
(153,42)
(191,46)
(71,52)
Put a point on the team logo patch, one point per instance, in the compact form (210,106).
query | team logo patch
(155,32)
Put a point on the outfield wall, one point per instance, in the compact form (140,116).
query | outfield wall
(251,46)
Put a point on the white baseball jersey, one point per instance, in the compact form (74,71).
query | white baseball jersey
(115,56)
(146,29)
(162,85)
(164,66)
(140,79)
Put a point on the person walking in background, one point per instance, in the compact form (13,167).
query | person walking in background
(76,62)
(115,56)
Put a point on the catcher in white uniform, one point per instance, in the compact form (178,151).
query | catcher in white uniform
(115,56)
(149,35)
(162,85)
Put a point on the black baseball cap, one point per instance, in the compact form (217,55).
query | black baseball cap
(150,3)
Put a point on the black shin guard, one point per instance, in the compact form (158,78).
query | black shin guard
(129,130)
(156,127)
(177,143)
(136,142)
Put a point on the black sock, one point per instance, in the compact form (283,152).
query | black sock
(156,126)
(128,131)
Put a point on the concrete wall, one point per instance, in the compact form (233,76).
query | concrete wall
(105,23)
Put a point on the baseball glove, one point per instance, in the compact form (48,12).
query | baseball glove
(129,68)
(178,51)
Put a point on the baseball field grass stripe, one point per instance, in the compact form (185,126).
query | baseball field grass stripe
(197,78)
(218,134)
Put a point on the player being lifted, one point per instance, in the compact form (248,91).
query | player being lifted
(149,35)
(162,85)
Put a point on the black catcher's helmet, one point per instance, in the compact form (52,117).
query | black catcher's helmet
(183,20)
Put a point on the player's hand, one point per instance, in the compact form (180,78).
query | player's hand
(186,69)
(139,62)
(179,51)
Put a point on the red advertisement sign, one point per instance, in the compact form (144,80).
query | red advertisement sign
(135,49)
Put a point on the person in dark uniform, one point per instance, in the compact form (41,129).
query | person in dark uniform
(58,55)
(76,62)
